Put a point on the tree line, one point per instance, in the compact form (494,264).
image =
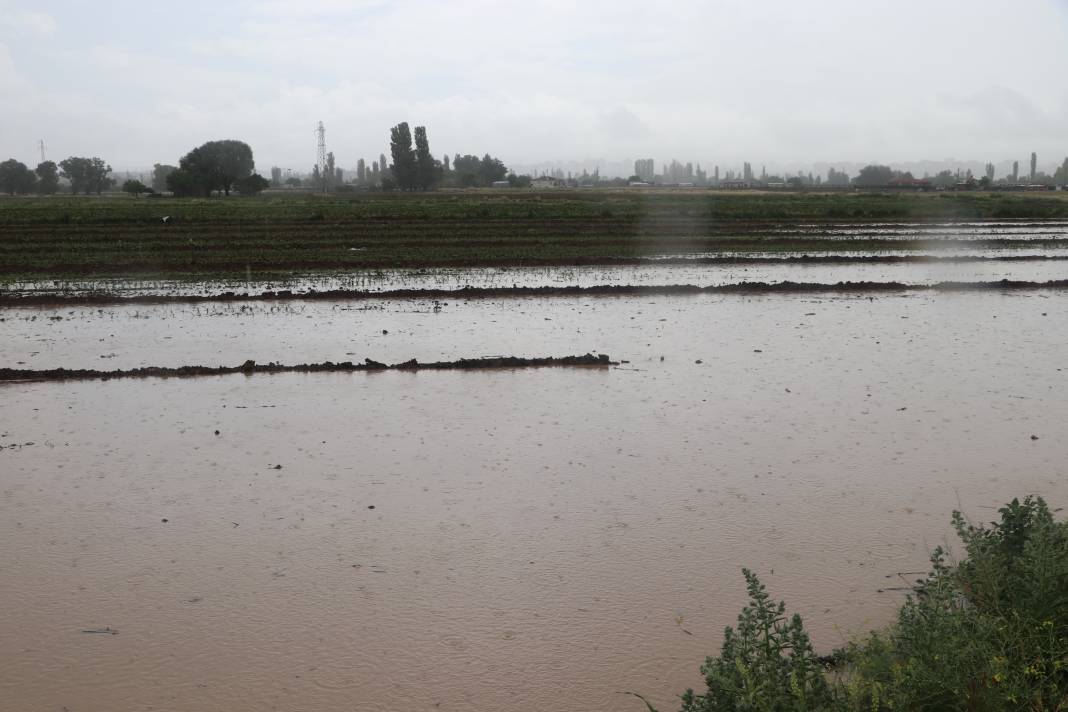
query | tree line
(216,166)
(227,165)
(86,175)
(414,168)
(410,167)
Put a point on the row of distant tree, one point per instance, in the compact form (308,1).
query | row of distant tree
(875,176)
(86,175)
(214,167)
(226,166)
(413,168)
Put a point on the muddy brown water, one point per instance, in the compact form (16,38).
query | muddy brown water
(538,539)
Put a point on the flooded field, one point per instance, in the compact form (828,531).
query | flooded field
(494,540)
(390,330)
(819,252)
(1039,266)
(966,230)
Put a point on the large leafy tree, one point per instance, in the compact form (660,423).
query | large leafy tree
(216,165)
(874,176)
(76,170)
(252,185)
(184,183)
(135,187)
(404,165)
(160,171)
(87,175)
(47,177)
(15,177)
(470,171)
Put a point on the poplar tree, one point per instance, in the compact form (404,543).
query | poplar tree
(404,166)
(426,170)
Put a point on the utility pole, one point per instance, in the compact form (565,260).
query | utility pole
(321,159)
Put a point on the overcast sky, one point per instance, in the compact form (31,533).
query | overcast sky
(714,81)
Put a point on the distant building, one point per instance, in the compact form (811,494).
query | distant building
(677,173)
(645,169)
(501,184)
(1034,166)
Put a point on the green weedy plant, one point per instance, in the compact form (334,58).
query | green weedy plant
(767,665)
(989,634)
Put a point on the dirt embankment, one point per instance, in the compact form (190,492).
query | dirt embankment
(251,367)
(755,288)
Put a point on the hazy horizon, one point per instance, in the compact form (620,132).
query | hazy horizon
(779,84)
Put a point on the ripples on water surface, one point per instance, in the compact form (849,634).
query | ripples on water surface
(539,539)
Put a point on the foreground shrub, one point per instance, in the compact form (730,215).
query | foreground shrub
(988,634)
(768,664)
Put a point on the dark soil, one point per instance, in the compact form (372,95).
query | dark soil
(251,367)
(23,300)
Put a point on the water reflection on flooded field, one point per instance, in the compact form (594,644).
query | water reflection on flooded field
(983,266)
(503,540)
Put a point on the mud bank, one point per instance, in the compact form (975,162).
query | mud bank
(755,288)
(251,367)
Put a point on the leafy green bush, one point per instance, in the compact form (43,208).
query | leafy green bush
(989,634)
(768,664)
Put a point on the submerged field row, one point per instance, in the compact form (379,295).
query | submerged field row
(205,257)
(469,292)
